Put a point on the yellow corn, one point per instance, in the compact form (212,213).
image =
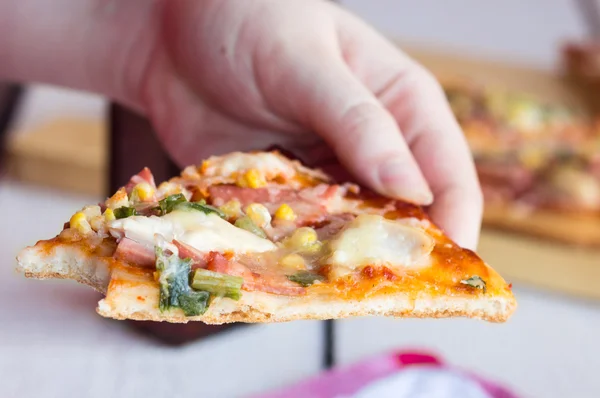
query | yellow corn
(91,211)
(204,166)
(143,191)
(232,209)
(80,223)
(303,237)
(119,199)
(532,158)
(97,223)
(252,179)
(285,212)
(293,262)
(169,188)
(109,215)
(259,214)
(313,247)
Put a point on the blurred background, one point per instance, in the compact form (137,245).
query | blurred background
(50,331)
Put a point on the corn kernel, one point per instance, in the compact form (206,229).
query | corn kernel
(91,211)
(313,247)
(232,209)
(204,166)
(303,237)
(532,158)
(252,179)
(119,199)
(293,262)
(80,223)
(109,215)
(143,191)
(97,222)
(259,214)
(285,212)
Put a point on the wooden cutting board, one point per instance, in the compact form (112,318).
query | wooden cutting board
(67,153)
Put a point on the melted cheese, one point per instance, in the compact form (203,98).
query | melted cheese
(373,240)
(204,232)
(268,164)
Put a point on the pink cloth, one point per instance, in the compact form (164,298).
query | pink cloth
(348,381)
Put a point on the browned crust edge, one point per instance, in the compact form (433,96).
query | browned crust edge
(257,316)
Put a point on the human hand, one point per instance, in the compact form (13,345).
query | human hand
(221,75)
(309,76)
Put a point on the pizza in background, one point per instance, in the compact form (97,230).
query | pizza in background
(537,161)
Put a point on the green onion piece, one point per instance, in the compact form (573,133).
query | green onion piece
(306,278)
(247,224)
(167,204)
(476,282)
(199,206)
(175,291)
(124,212)
(194,303)
(218,284)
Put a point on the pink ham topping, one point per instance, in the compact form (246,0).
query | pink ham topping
(275,284)
(136,253)
(143,176)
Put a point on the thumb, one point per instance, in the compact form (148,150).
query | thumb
(363,134)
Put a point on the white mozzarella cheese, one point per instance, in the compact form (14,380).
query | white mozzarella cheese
(268,164)
(373,240)
(204,232)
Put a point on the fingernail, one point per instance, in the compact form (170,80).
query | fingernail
(401,180)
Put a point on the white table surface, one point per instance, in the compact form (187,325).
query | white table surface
(52,344)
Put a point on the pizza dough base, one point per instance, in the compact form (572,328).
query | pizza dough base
(135,296)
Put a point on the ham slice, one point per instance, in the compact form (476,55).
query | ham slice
(274,284)
(135,253)
(309,204)
(504,181)
(143,176)
(200,260)
(221,194)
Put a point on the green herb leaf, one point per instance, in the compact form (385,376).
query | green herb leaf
(306,278)
(218,284)
(476,282)
(175,289)
(124,212)
(199,206)
(167,204)
(247,224)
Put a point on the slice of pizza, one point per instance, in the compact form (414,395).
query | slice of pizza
(538,163)
(257,237)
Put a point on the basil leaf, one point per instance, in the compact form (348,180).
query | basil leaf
(167,204)
(476,282)
(124,212)
(199,206)
(306,278)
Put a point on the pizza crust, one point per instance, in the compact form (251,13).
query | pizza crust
(64,262)
(134,295)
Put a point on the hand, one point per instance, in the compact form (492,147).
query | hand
(230,75)
(222,75)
